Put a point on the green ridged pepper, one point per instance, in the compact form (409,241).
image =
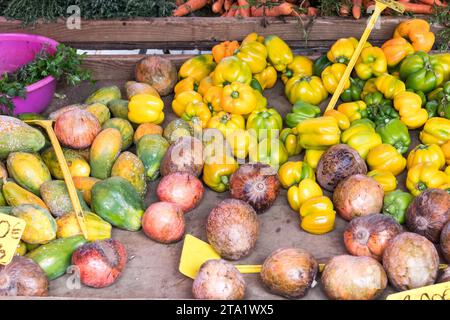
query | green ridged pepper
(320,64)
(396,203)
(396,134)
(354,92)
(301,111)
(264,121)
(379,109)
(439,102)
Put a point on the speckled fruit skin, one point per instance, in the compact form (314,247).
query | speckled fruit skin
(348,277)
(181,188)
(289,272)
(100,262)
(445,242)
(218,280)
(185,155)
(428,213)
(164,222)
(257,184)
(232,229)
(411,261)
(77,128)
(336,164)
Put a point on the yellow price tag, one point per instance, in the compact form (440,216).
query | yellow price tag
(11,229)
(439,291)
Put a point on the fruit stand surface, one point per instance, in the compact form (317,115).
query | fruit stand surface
(152,268)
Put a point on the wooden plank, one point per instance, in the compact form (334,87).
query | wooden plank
(176,33)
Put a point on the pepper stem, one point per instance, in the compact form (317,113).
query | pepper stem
(421,186)
(225,180)
(235,94)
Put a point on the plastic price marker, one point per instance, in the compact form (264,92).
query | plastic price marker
(439,291)
(11,229)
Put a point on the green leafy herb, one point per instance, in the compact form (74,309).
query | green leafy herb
(441,15)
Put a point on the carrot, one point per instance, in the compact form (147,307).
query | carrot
(227,4)
(188,7)
(418,8)
(231,12)
(344,10)
(284,9)
(312,11)
(179,2)
(244,8)
(217,6)
(432,2)
(356,9)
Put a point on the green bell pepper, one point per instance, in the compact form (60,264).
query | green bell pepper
(353,93)
(439,101)
(365,121)
(421,71)
(431,108)
(379,109)
(396,134)
(256,85)
(320,64)
(301,111)
(396,203)
(264,122)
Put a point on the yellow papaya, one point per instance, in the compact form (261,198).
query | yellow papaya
(125,128)
(104,95)
(97,228)
(104,151)
(100,111)
(15,195)
(85,185)
(78,166)
(56,197)
(131,168)
(40,227)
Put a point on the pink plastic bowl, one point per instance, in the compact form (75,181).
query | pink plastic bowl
(19,49)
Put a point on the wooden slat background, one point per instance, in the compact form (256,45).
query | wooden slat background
(202,33)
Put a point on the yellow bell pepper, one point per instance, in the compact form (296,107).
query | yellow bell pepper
(292,172)
(424,176)
(317,215)
(308,89)
(197,67)
(409,106)
(361,137)
(268,151)
(253,37)
(226,122)
(444,59)
(312,157)
(332,75)
(446,151)
(385,178)
(204,85)
(342,120)
(342,50)
(279,53)
(217,172)
(353,110)
(238,98)
(187,84)
(180,102)
(417,31)
(144,108)
(213,98)
(305,190)
(240,141)
(447,170)
(318,133)
(290,139)
(224,49)
(423,153)
(299,66)
(254,53)
(261,101)
(389,85)
(435,130)
(231,69)
(369,87)
(197,113)
(386,158)
(371,63)
(267,78)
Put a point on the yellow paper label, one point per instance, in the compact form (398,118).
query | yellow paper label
(439,291)
(11,229)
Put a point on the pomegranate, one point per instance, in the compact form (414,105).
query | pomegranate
(164,222)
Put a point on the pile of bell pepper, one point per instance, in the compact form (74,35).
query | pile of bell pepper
(393,89)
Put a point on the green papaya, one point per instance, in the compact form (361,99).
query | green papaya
(31,247)
(21,248)
(100,111)
(17,136)
(125,128)
(28,170)
(131,168)
(84,186)
(96,227)
(56,197)
(177,128)
(118,202)
(104,95)
(15,195)
(104,151)
(5,209)
(119,108)
(151,148)
(78,166)
(30,116)
(41,226)
(55,257)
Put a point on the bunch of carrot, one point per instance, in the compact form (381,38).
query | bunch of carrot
(247,8)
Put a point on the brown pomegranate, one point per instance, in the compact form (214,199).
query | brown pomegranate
(185,155)
(289,272)
(182,189)
(445,241)
(257,184)
(369,235)
(100,263)
(411,261)
(336,164)
(164,222)
(218,280)
(445,276)
(232,229)
(353,278)
(55,114)
(358,195)
(77,128)
(428,213)
(23,277)
(158,72)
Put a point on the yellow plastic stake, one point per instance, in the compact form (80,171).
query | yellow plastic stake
(48,126)
(11,229)
(440,291)
(380,5)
